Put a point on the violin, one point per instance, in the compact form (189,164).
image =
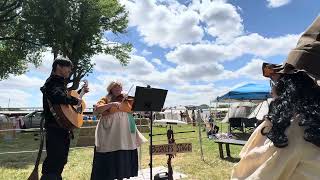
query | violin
(125,106)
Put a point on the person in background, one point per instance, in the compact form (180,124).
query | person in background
(214,129)
(193,118)
(181,116)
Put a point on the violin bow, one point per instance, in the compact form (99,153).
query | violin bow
(128,91)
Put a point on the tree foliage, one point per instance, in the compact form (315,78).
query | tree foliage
(16,48)
(74,28)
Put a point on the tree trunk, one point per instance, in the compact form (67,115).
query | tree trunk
(75,83)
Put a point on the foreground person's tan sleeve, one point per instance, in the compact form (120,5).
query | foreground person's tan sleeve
(261,160)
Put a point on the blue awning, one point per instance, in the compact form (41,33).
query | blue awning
(248,92)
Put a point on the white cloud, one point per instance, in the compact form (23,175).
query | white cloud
(138,65)
(190,94)
(138,71)
(253,44)
(22,81)
(146,52)
(18,98)
(170,23)
(176,99)
(166,25)
(265,47)
(105,80)
(252,70)
(277,3)
(192,88)
(221,18)
(22,90)
(197,72)
(156,61)
(201,54)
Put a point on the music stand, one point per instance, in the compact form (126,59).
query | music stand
(152,100)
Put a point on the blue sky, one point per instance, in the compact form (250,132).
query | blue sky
(195,49)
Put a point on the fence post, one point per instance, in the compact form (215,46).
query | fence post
(200,136)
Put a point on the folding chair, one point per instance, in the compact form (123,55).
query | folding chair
(235,124)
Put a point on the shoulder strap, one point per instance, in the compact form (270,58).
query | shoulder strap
(35,175)
(60,118)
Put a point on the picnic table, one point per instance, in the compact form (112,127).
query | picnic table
(227,142)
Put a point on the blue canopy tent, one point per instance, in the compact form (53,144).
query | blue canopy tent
(248,92)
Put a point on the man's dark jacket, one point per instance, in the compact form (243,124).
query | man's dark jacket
(55,89)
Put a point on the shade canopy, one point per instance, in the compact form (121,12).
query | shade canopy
(247,92)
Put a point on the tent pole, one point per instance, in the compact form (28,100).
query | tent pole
(229,116)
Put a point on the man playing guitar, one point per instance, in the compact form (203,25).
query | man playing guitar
(57,137)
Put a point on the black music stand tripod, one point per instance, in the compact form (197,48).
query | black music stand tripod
(150,100)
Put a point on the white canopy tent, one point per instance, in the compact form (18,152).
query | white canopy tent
(174,113)
(239,110)
(261,110)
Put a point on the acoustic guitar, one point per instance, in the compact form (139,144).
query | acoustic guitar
(71,116)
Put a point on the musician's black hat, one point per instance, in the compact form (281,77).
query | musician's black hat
(62,61)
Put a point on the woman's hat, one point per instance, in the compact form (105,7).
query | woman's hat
(269,69)
(304,57)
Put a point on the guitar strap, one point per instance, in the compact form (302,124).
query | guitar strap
(35,175)
(60,119)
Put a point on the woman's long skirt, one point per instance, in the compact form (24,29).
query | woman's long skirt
(115,165)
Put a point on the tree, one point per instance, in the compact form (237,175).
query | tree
(8,10)
(15,49)
(75,28)
(72,28)
(204,106)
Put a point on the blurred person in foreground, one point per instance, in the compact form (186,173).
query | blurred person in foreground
(287,144)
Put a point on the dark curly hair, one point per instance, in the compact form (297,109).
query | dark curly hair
(297,94)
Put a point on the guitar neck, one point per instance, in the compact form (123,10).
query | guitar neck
(81,94)
(82,89)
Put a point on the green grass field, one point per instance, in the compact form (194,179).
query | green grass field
(19,166)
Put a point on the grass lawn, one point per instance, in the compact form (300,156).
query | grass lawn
(19,166)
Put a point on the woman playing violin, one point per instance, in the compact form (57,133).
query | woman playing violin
(116,138)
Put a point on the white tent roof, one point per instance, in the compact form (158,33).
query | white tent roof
(239,109)
(172,114)
(261,110)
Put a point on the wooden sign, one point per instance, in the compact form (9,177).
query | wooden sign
(171,148)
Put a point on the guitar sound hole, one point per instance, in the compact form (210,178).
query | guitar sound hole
(79,109)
